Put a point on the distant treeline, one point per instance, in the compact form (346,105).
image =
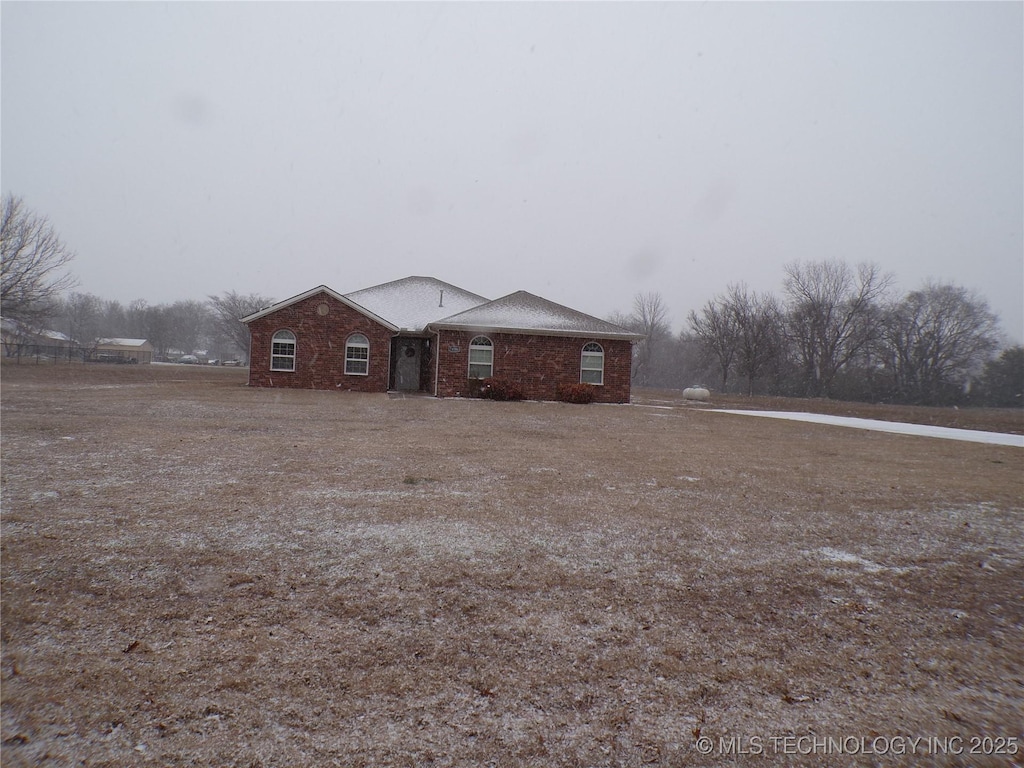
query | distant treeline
(183,327)
(838,332)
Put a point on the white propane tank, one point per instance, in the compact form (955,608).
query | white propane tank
(696,393)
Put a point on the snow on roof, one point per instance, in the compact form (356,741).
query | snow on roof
(416,304)
(122,342)
(55,335)
(412,303)
(524,312)
(14,327)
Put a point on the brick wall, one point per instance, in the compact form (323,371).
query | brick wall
(538,364)
(319,347)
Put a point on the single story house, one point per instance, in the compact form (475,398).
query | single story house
(420,334)
(122,351)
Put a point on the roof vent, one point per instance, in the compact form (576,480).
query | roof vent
(441,302)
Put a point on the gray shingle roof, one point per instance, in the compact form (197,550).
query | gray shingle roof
(412,303)
(417,304)
(523,312)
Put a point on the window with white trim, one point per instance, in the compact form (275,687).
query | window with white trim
(282,351)
(357,355)
(481,358)
(592,364)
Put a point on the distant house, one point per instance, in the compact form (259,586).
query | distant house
(420,334)
(19,339)
(122,351)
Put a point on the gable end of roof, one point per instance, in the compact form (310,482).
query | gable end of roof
(313,292)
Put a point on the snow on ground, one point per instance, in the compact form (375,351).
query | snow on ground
(899,428)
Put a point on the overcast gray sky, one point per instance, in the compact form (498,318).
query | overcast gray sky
(582,152)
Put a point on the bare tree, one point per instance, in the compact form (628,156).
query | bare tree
(115,319)
(936,338)
(833,315)
(135,319)
(1002,382)
(716,329)
(158,329)
(81,318)
(189,324)
(757,323)
(650,317)
(228,311)
(32,264)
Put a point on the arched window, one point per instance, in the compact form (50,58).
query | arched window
(481,358)
(357,355)
(282,351)
(592,364)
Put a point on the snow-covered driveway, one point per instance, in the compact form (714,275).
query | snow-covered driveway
(921,430)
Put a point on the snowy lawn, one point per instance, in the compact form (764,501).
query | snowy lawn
(196,573)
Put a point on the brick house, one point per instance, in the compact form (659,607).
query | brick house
(420,334)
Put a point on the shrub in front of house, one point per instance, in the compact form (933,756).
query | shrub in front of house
(499,389)
(575,393)
(494,389)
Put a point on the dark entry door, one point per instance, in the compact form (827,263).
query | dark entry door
(407,364)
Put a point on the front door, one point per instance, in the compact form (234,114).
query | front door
(407,365)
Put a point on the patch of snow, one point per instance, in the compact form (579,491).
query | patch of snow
(870,566)
(894,427)
(839,556)
(427,540)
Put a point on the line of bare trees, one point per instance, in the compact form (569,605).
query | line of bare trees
(183,327)
(837,331)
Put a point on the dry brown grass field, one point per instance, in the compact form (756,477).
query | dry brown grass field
(198,573)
